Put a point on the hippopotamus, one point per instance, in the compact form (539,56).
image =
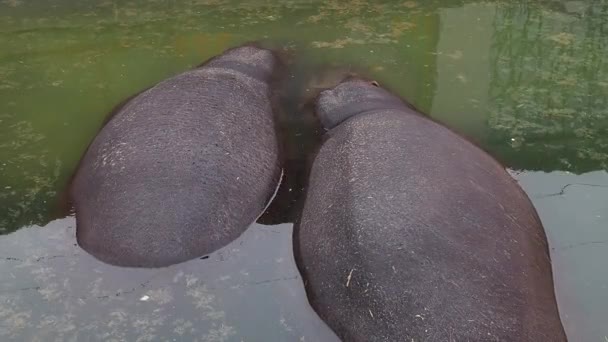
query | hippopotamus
(410,232)
(183,168)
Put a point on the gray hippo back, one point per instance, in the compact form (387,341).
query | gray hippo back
(184,167)
(409,232)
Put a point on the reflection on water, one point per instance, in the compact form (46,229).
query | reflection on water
(524,80)
(527,80)
(549,87)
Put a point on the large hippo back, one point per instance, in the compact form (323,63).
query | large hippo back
(411,233)
(182,168)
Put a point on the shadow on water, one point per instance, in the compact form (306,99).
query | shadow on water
(527,81)
(300,132)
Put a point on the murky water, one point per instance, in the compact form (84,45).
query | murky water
(528,81)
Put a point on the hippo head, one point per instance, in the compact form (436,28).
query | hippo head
(353,96)
(250,59)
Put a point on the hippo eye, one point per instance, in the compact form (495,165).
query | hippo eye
(375,84)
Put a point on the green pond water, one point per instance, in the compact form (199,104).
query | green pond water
(527,80)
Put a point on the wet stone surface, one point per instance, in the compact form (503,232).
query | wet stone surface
(248,291)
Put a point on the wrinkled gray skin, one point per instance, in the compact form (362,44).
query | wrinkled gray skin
(183,168)
(411,233)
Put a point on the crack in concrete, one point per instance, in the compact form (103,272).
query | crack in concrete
(147,282)
(42,258)
(563,189)
(580,244)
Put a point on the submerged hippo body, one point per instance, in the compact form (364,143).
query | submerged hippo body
(411,233)
(183,168)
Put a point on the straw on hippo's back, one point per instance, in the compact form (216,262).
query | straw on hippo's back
(184,167)
(410,232)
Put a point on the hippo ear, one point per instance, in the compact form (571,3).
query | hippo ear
(375,84)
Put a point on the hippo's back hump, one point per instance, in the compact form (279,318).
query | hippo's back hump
(429,231)
(195,152)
